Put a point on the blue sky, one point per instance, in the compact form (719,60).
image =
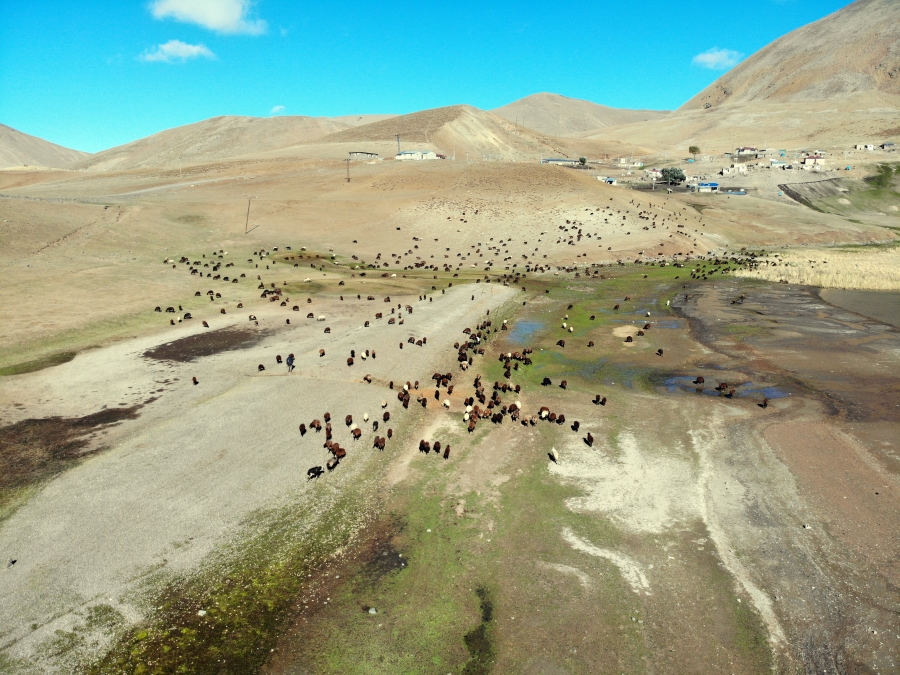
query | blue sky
(91,75)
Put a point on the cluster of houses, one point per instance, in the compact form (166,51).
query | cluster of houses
(887,147)
(418,155)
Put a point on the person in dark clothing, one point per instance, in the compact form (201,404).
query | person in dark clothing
(290,362)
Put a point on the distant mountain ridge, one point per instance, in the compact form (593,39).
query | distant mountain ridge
(562,116)
(20,149)
(219,138)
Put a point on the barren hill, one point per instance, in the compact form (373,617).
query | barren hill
(218,138)
(463,129)
(856,49)
(557,115)
(18,149)
(834,82)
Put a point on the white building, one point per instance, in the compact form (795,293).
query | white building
(417,155)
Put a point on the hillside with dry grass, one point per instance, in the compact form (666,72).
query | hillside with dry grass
(557,115)
(462,129)
(856,49)
(18,149)
(218,138)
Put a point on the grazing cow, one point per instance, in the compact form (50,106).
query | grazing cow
(195,380)
(561,343)
(629,339)
(316,424)
(764,404)
(260,368)
(390,433)
(563,384)
(356,433)
(576,425)
(205,325)
(368,378)
(589,440)
(348,420)
(553,455)
(278,358)
(700,380)
(314,472)
(546,382)
(591,343)
(349,360)
(252,317)
(303,430)
(659,352)
(332,463)
(321,352)
(437,447)
(447,452)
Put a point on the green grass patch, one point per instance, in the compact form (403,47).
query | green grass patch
(35,365)
(227,617)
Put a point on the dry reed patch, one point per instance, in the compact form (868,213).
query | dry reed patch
(877,269)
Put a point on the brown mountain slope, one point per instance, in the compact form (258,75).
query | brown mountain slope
(463,129)
(557,115)
(18,149)
(856,49)
(218,138)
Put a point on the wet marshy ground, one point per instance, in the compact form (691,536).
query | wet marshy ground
(206,344)
(686,384)
(34,450)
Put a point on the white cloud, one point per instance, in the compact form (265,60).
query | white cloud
(718,59)
(222,16)
(176,50)
(277,109)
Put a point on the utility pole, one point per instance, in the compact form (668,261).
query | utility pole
(398,143)
(348,169)
(247,221)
